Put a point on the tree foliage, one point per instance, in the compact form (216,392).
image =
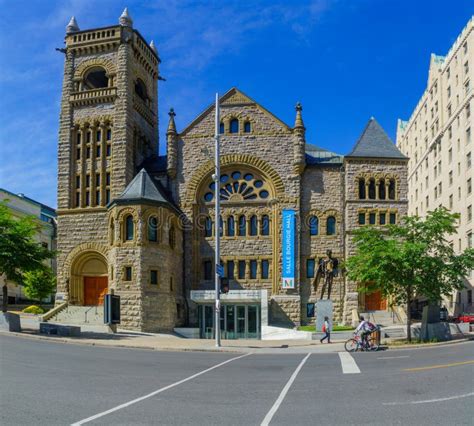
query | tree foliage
(39,283)
(412,258)
(19,252)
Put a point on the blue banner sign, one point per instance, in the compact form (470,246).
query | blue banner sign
(288,248)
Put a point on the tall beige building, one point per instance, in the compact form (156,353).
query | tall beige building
(438,140)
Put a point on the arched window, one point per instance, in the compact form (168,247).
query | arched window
(362,194)
(129,228)
(247,127)
(234,126)
(242,226)
(230,226)
(140,89)
(372,189)
(153,229)
(382,194)
(391,189)
(172,237)
(221,127)
(253,225)
(95,78)
(331,225)
(208,227)
(313,225)
(265,225)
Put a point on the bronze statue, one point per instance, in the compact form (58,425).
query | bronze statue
(327,270)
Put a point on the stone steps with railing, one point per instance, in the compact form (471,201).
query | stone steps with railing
(81,315)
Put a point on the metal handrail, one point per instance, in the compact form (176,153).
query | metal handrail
(85,313)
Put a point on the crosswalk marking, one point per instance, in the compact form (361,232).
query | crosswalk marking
(348,363)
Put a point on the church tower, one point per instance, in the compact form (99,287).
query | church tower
(108,127)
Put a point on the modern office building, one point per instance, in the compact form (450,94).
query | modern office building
(438,139)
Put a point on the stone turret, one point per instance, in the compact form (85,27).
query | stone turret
(72,27)
(172,145)
(299,141)
(125,19)
(153,47)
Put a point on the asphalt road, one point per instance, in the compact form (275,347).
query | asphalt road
(47,383)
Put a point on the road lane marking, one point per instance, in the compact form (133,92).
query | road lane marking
(432,367)
(394,357)
(134,401)
(429,401)
(348,363)
(281,397)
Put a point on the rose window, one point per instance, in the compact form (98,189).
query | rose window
(238,186)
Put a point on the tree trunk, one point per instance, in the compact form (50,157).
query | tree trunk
(409,315)
(5,297)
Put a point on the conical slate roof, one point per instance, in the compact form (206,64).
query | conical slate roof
(143,189)
(374,142)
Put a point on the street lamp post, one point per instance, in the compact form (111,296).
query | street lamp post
(217,178)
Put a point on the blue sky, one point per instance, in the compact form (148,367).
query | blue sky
(345,60)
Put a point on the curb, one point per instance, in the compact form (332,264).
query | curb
(430,345)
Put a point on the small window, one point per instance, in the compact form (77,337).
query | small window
(88,198)
(108,150)
(382,189)
(109,134)
(362,189)
(230,226)
(221,128)
(372,189)
(391,189)
(382,218)
(208,227)
(331,225)
(393,218)
(247,127)
(265,225)
(107,196)
(242,226)
(78,153)
(313,225)
(172,237)
(241,269)
(78,138)
(372,217)
(253,269)
(361,218)
(234,126)
(96,78)
(253,226)
(309,268)
(97,154)
(78,199)
(153,229)
(107,178)
(265,269)
(207,270)
(88,181)
(153,277)
(230,269)
(128,273)
(78,181)
(97,179)
(129,228)
(88,152)
(97,198)
(98,136)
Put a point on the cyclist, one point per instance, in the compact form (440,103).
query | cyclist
(364,329)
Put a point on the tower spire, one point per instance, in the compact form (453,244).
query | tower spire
(72,27)
(171,123)
(299,118)
(125,19)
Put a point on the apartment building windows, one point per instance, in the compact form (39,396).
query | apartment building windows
(451,201)
(467,87)
(450,132)
(450,177)
(468,111)
(427,199)
(469,186)
(464,48)
(449,91)
(469,213)
(468,160)
(466,68)
(468,135)
(450,155)
(449,110)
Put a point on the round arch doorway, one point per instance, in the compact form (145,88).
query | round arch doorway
(90,281)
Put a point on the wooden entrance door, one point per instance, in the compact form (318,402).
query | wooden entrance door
(375,302)
(95,288)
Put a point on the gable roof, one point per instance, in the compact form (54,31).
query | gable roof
(375,143)
(233,96)
(316,155)
(144,189)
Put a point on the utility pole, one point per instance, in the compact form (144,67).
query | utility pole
(217,178)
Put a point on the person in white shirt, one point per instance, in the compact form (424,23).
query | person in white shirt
(364,329)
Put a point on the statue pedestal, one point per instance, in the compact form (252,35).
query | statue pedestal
(324,308)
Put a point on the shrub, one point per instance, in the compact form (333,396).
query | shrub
(33,309)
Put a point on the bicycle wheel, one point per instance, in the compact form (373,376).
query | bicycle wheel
(351,345)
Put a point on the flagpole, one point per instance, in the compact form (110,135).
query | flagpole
(217,178)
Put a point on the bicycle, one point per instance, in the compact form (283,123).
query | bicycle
(355,344)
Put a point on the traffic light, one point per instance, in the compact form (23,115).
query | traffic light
(224,285)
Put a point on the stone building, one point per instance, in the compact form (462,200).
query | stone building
(438,140)
(142,224)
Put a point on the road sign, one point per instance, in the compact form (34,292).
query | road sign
(220,270)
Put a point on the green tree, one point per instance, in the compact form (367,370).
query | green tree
(39,283)
(19,252)
(411,259)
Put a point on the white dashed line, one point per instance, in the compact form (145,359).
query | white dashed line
(276,405)
(348,363)
(134,401)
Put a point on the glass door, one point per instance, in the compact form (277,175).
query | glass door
(230,322)
(241,322)
(253,322)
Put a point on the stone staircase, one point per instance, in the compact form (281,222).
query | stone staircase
(80,315)
(391,327)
